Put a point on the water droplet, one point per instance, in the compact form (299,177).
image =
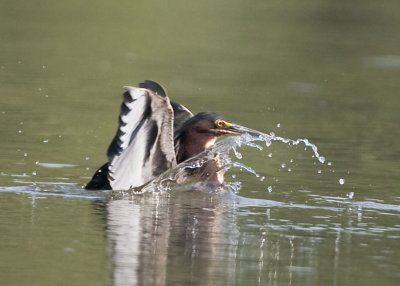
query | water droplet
(262,179)
(329,163)
(350,195)
(269,189)
(237,154)
(242,167)
(283,165)
(289,170)
(319,171)
(87,158)
(341,181)
(43,67)
(34,173)
(19,131)
(40,89)
(278,125)
(233,176)
(270,155)
(25,154)
(46,141)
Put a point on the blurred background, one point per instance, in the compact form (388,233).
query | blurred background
(323,70)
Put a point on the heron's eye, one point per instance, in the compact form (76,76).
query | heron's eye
(219,123)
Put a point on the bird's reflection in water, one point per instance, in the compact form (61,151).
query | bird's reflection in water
(201,238)
(155,238)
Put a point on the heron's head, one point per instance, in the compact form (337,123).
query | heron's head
(200,132)
(210,125)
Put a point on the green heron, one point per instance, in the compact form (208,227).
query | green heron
(154,135)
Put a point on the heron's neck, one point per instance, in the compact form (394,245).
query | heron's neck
(189,145)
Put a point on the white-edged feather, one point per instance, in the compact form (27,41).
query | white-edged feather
(143,146)
(135,92)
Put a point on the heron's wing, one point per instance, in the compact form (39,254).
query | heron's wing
(154,87)
(143,147)
(99,180)
(181,113)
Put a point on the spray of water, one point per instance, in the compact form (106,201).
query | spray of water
(269,138)
(220,151)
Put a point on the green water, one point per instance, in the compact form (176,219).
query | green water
(323,70)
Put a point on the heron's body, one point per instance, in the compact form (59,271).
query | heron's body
(155,135)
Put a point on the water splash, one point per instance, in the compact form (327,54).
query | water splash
(219,152)
(251,135)
(306,142)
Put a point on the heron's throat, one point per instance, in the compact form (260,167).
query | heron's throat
(190,146)
(209,143)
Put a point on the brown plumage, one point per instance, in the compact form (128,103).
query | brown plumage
(144,146)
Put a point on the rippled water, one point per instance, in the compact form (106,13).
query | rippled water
(168,233)
(223,237)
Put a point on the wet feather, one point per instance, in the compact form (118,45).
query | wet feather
(132,160)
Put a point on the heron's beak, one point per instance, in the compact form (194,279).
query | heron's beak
(236,129)
(225,128)
(230,129)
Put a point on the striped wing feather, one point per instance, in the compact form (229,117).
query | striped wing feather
(143,147)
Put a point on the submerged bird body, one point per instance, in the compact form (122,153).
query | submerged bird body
(155,135)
